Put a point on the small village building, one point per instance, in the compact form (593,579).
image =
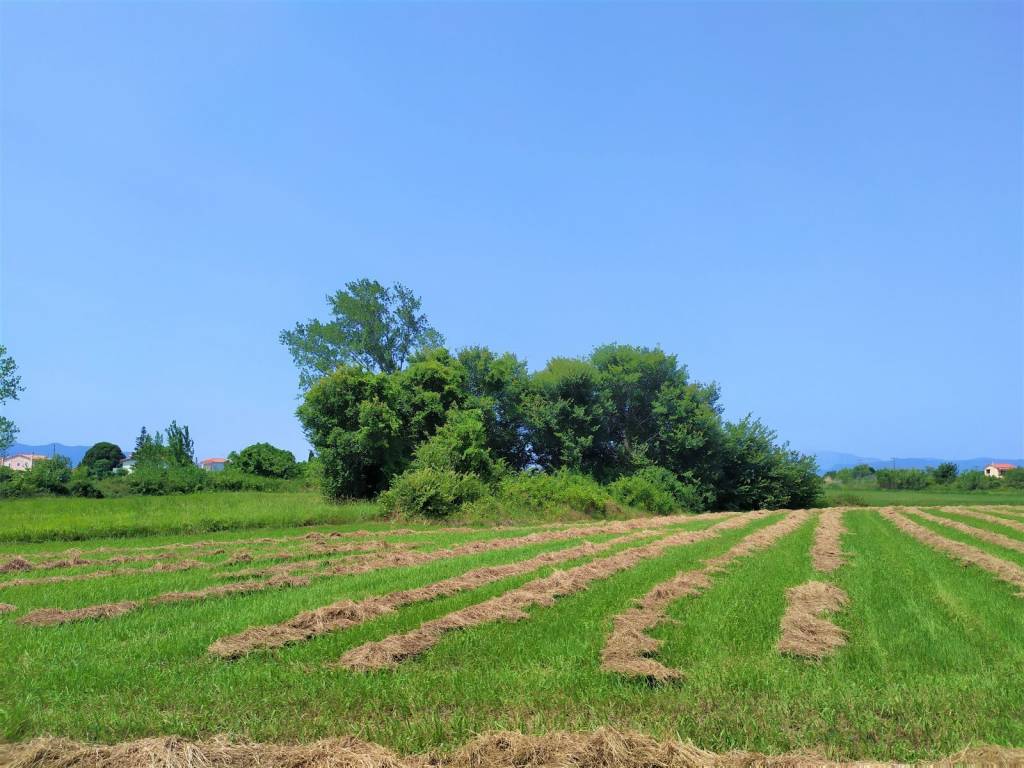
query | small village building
(127,465)
(997,469)
(213,465)
(21,462)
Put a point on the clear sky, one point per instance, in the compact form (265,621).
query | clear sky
(818,205)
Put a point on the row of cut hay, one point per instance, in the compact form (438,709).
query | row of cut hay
(173,565)
(978,533)
(53,616)
(827,552)
(1006,522)
(604,748)
(345,614)
(512,605)
(293,574)
(408,559)
(1009,572)
(7,608)
(628,647)
(804,629)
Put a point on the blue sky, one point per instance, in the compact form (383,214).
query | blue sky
(818,205)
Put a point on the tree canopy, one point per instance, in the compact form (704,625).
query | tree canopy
(617,413)
(102,459)
(10,388)
(373,327)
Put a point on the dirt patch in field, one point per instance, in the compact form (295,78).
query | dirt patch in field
(1004,521)
(805,632)
(1001,569)
(979,533)
(512,605)
(348,613)
(827,551)
(7,608)
(604,748)
(628,647)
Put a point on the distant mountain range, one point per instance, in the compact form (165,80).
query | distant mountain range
(73,452)
(832,460)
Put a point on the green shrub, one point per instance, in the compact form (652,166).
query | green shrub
(903,479)
(432,492)
(48,476)
(537,492)
(84,487)
(975,480)
(1014,478)
(460,445)
(155,480)
(655,489)
(264,460)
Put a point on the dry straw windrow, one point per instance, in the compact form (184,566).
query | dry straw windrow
(827,552)
(53,616)
(604,748)
(512,605)
(979,533)
(628,647)
(7,608)
(349,613)
(1001,569)
(805,632)
(1006,522)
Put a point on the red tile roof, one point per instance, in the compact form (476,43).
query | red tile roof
(1001,466)
(213,461)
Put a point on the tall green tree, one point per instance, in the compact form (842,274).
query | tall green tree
(102,459)
(372,326)
(10,387)
(180,450)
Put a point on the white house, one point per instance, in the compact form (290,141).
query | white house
(213,465)
(21,462)
(127,465)
(997,469)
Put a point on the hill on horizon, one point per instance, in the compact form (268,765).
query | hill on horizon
(74,452)
(829,461)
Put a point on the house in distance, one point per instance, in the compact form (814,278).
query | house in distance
(996,469)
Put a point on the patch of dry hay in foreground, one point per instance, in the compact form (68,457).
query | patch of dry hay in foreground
(161,567)
(7,608)
(966,554)
(979,533)
(511,606)
(827,552)
(604,748)
(52,616)
(967,512)
(348,613)
(628,647)
(804,632)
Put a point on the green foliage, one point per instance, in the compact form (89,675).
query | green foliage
(537,491)
(620,410)
(432,492)
(180,451)
(758,473)
(903,479)
(155,480)
(1013,478)
(102,459)
(48,476)
(83,486)
(460,445)
(656,489)
(374,328)
(945,473)
(10,387)
(976,480)
(264,460)
(855,474)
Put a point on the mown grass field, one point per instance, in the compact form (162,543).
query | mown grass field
(933,656)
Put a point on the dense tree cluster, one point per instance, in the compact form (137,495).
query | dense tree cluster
(455,424)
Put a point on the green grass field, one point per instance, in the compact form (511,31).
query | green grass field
(880,497)
(934,651)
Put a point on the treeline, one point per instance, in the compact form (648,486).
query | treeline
(163,463)
(451,431)
(945,476)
